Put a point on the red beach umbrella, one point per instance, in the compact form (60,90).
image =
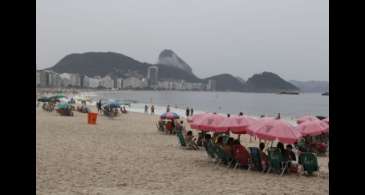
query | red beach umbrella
(277,129)
(307,118)
(312,128)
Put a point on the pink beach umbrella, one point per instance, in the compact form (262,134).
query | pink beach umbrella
(196,120)
(195,117)
(307,118)
(255,125)
(236,124)
(208,122)
(312,128)
(327,120)
(277,129)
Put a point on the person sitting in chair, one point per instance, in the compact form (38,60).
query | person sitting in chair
(220,141)
(206,140)
(228,147)
(263,156)
(189,140)
(291,159)
(240,154)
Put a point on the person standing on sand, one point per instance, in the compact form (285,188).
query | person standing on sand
(187,112)
(191,111)
(98,105)
(168,108)
(152,110)
(145,108)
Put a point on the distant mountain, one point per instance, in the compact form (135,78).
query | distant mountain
(169,57)
(115,65)
(174,73)
(268,82)
(99,63)
(311,86)
(226,82)
(171,67)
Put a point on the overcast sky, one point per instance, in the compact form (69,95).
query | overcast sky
(240,37)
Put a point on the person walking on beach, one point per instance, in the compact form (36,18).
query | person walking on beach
(146,109)
(98,105)
(168,108)
(187,111)
(191,111)
(152,110)
(240,114)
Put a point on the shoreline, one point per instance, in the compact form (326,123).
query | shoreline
(159,109)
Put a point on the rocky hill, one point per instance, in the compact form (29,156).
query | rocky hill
(227,82)
(268,82)
(170,58)
(115,65)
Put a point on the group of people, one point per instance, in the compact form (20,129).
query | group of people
(171,126)
(317,144)
(152,109)
(239,153)
(111,111)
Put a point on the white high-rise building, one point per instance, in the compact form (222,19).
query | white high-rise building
(107,82)
(152,75)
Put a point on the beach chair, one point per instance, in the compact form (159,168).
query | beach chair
(225,138)
(255,160)
(210,149)
(223,157)
(276,161)
(181,139)
(309,162)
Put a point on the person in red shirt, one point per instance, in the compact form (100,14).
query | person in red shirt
(169,127)
(240,154)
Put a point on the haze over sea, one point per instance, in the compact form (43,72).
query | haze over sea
(253,104)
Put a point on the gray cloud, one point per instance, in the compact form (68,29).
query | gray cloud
(241,37)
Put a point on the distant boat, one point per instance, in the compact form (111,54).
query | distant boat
(289,92)
(325,93)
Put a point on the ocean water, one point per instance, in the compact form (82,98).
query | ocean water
(252,104)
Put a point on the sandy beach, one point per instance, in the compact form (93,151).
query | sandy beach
(127,155)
